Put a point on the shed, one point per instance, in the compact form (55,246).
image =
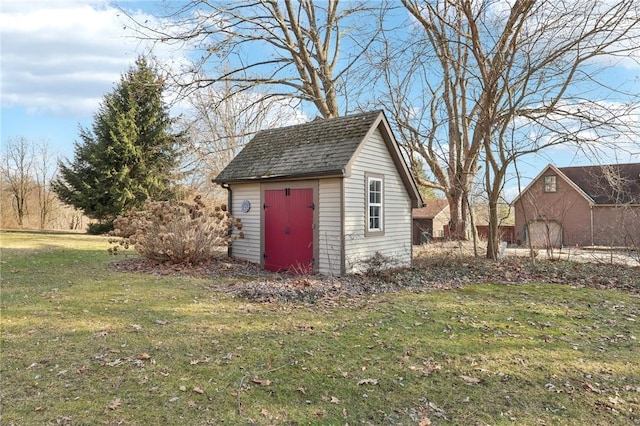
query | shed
(429,221)
(323,197)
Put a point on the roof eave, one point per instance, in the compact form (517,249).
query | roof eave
(563,176)
(621,205)
(316,175)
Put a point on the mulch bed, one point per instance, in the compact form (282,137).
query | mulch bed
(246,280)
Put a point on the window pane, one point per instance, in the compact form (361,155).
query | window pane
(550,184)
(374,204)
(374,217)
(374,197)
(374,191)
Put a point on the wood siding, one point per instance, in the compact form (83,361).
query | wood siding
(249,247)
(395,242)
(330,227)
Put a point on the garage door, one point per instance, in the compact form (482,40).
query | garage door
(545,234)
(288,233)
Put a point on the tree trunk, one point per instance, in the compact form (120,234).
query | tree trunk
(493,242)
(457,220)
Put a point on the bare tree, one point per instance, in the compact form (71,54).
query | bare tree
(504,80)
(44,169)
(219,124)
(303,50)
(17,162)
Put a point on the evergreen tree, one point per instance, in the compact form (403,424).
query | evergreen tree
(129,156)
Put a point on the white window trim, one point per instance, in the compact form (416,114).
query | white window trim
(369,177)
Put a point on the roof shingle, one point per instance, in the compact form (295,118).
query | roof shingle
(430,210)
(607,184)
(321,147)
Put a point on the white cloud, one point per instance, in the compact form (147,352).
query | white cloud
(62,56)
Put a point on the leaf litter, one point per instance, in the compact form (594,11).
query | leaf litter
(430,271)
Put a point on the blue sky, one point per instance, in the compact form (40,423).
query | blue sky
(59,57)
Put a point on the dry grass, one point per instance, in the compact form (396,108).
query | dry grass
(84,343)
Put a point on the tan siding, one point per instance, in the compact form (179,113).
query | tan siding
(616,226)
(249,247)
(329,241)
(395,244)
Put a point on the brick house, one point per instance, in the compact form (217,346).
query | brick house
(582,205)
(323,196)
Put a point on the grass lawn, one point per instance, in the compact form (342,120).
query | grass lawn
(84,344)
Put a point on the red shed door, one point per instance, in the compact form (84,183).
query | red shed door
(288,230)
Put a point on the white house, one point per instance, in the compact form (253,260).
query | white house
(323,197)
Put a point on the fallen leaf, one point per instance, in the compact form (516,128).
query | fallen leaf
(143,356)
(162,322)
(424,422)
(471,380)
(265,412)
(183,388)
(368,382)
(335,400)
(191,403)
(261,382)
(588,386)
(302,390)
(197,389)
(615,400)
(115,404)
(40,408)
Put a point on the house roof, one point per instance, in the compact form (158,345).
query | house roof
(608,184)
(320,148)
(430,210)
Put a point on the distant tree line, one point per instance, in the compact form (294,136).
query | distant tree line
(27,200)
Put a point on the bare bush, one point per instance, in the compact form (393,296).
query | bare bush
(176,232)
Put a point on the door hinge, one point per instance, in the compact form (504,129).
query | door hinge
(312,206)
(287,192)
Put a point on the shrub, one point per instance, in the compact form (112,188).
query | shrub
(99,228)
(176,232)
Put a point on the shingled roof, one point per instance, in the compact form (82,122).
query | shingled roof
(319,148)
(607,184)
(430,210)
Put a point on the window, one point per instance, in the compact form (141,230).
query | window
(550,184)
(374,204)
